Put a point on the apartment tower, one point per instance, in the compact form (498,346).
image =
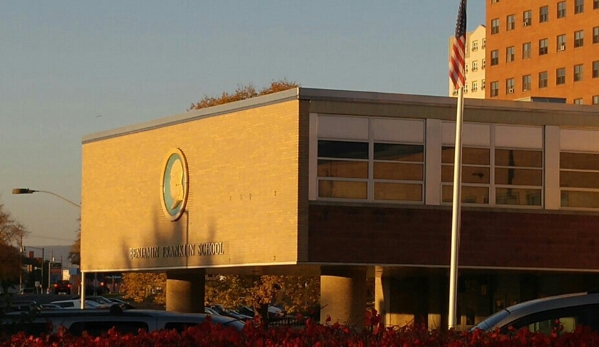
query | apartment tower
(543,49)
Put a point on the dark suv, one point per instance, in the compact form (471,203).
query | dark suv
(62,286)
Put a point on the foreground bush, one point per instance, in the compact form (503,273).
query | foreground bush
(312,334)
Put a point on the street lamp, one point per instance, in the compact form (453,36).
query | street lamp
(31,191)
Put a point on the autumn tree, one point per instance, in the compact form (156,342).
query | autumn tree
(11,241)
(144,287)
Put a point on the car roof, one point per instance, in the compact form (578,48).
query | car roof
(512,313)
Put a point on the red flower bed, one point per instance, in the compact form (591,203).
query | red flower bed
(313,335)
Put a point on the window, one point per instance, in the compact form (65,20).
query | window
(475,45)
(466,88)
(511,23)
(578,71)
(494,26)
(476,174)
(543,79)
(494,57)
(482,84)
(543,46)
(509,86)
(578,101)
(509,54)
(342,169)
(526,82)
(579,179)
(484,43)
(560,75)
(527,17)
(515,175)
(579,6)
(466,68)
(561,42)
(578,38)
(518,176)
(561,9)
(494,1)
(543,14)
(596,35)
(372,169)
(596,69)
(526,48)
(484,64)
(474,86)
(595,4)
(475,65)
(595,99)
(494,88)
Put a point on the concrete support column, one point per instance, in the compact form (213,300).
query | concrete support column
(343,296)
(185,291)
(382,298)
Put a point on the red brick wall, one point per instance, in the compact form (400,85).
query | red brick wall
(422,236)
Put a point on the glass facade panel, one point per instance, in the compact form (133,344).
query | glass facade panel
(398,171)
(397,191)
(342,149)
(470,194)
(342,168)
(342,189)
(470,155)
(578,199)
(579,161)
(578,179)
(520,177)
(518,196)
(521,158)
(398,152)
(470,174)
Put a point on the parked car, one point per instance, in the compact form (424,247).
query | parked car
(62,286)
(76,304)
(541,315)
(50,307)
(96,322)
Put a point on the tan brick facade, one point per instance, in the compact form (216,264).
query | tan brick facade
(243,191)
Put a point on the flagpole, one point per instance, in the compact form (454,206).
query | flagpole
(456,211)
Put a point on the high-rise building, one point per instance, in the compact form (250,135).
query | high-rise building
(543,49)
(474,64)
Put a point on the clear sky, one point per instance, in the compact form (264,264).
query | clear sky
(73,68)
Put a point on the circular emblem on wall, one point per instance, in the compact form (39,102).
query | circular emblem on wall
(174,185)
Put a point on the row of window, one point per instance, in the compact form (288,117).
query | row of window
(490,175)
(527,16)
(474,87)
(560,78)
(474,45)
(510,52)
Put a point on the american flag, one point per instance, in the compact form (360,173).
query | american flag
(458,53)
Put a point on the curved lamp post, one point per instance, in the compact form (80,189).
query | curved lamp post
(31,191)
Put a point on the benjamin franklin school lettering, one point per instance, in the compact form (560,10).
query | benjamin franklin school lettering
(177,251)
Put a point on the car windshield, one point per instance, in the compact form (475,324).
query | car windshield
(492,320)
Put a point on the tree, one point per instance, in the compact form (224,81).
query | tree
(243,92)
(11,241)
(145,287)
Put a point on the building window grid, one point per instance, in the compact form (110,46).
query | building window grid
(499,194)
(527,18)
(494,26)
(578,72)
(578,6)
(365,180)
(509,54)
(526,50)
(543,46)
(542,79)
(561,42)
(511,23)
(560,76)
(543,14)
(578,180)
(561,9)
(578,38)
(526,82)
